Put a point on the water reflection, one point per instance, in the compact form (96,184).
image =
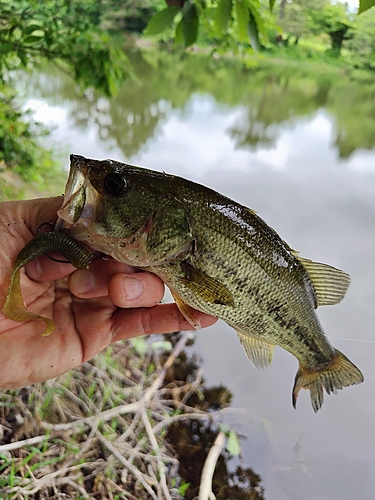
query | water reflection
(267,98)
(299,150)
(192,439)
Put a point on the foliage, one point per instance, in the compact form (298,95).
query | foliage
(128,16)
(362,45)
(235,25)
(75,35)
(365,5)
(20,151)
(334,20)
(226,21)
(65,30)
(294,17)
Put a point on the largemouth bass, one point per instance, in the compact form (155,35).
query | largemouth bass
(216,256)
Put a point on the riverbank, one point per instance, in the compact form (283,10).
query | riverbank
(111,429)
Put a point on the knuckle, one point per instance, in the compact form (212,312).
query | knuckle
(147,323)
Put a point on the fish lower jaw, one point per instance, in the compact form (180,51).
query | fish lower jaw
(66,216)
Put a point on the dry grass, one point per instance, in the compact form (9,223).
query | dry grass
(98,431)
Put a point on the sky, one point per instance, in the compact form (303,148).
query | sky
(353,4)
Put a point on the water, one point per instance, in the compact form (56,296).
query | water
(299,149)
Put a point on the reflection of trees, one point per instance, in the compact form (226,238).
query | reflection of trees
(276,100)
(271,98)
(253,128)
(353,110)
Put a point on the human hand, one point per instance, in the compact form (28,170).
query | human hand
(91,309)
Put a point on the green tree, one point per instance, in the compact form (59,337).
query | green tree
(128,16)
(294,16)
(362,45)
(61,30)
(68,33)
(335,21)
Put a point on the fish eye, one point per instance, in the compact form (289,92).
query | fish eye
(114,184)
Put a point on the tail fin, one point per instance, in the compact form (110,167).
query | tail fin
(339,373)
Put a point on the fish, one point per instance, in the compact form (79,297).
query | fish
(216,256)
(14,307)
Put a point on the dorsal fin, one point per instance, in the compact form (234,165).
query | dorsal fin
(330,284)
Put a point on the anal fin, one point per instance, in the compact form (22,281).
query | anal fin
(259,352)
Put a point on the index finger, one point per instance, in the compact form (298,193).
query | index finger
(162,318)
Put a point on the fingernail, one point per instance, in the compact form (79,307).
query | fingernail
(133,287)
(83,281)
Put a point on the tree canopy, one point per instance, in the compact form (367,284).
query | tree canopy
(61,30)
(247,21)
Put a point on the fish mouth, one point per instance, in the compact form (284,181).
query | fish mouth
(82,202)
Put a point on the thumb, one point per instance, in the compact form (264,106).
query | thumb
(40,210)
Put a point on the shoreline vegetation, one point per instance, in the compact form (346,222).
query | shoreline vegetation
(28,167)
(135,422)
(91,41)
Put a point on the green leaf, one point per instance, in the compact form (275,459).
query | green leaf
(190,23)
(6,47)
(33,40)
(162,20)
(179,35)
(223,15)
(253,33)
(21,53)
(233,444)
(31,28)
(365,5)
(272,4)
(183,489)
(242,14)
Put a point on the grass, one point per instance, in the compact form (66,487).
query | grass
(99,431)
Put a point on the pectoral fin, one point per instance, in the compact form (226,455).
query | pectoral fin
(206,287)
(330,284)
(188,312)
(259,352)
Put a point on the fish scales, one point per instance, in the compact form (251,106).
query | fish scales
(258,263)
(216,256)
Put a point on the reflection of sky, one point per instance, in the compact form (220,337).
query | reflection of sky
(204,127)
(322,206)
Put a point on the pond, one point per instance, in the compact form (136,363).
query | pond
(299,148)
